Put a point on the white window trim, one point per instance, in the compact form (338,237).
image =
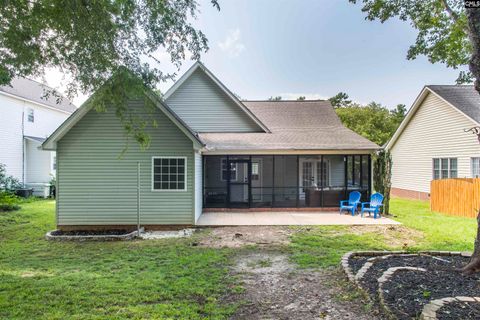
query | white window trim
(32,111)
(471,167)
(153,175)
(221,170)
(440,168)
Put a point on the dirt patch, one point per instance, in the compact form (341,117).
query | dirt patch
(394,235)
(276,289)
(235,237)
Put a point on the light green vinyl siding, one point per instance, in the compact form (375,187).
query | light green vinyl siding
(206,108)
(97,187)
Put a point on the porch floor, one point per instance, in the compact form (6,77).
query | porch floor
(287,219)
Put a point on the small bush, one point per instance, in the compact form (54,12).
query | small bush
(8,201)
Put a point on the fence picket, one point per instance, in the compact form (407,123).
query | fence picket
(457,197)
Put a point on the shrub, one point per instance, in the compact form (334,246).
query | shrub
(8,201)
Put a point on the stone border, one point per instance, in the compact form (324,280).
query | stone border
(383,279)
(375,254)
(352,276)
(127,236)
(429,311)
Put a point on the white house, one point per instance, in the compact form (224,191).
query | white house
(431,142)
(27,117)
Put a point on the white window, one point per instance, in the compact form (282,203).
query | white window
(255,171)
(169,173)
(54,163)
(233,171)
(444,168)
(31,115)
(475,167)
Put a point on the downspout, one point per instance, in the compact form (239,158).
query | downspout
(23,143)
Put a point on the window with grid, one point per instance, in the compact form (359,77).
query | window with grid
(233,171)
(475,167)
(31,115)
(444,168)
(169,173)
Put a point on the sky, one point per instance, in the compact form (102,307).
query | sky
(312,48)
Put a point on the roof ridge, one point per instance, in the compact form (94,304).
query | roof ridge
(306,100)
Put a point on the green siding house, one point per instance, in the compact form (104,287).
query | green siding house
(208,151)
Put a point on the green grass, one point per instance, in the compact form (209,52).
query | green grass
(324,246)
(107,280)
(441,232)
(167,279)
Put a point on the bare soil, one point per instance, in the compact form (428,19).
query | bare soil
(275,289)
(236,237)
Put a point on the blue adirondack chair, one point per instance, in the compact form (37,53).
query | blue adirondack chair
(352,203)
(374,205)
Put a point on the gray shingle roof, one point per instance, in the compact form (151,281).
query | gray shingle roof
(294,125)
(464,98)
(35,91)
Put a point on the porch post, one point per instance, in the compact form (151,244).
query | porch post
(369,176)
(227,201)
(321,181)
(273,180)
(345,163)
(298,180)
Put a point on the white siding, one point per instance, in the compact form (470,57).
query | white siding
(206,108)
(14,125)
(436,130)
(38,163)
(198,186)
(11,137)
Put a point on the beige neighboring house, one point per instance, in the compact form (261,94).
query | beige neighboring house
(431,142)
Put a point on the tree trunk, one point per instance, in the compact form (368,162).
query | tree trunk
(473,16)
(474,264)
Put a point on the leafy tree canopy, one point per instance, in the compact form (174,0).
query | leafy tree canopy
(372,121)
(341,99)
(90,40)
(442,28)
(277,98)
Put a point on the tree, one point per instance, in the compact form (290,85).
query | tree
(341,99)
(382,176)
(301,98)
(447,32)
(373,121)
(277,98)
(90,41)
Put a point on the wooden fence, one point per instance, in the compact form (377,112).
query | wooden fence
(457,197)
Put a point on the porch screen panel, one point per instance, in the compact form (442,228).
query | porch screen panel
(262,181)
(334,184)
(285,179)
(215,181)
(358,175)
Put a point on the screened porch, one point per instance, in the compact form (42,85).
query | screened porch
(283,181)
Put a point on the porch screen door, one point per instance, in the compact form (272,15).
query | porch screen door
(239,189)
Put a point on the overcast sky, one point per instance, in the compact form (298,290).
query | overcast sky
(263,48)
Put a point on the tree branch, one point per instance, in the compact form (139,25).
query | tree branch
(449,10)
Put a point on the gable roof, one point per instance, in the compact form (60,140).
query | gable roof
(463,98)
(294,125)
(50,143)
(199,66)
(34,91)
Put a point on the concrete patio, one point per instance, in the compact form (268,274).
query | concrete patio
(287,219)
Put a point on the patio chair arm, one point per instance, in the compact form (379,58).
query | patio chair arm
(364,203)
(342,202)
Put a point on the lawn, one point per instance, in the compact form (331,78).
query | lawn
(110,280)
(172,278)
(324,246)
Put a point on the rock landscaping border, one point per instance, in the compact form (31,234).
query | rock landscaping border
(430,310)
(94,237)
(356,277)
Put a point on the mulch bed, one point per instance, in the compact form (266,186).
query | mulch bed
(356,262)
(408,291)
(459,310)
(90,233)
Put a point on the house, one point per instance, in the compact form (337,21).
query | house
(27,117)
(431,142)
(209,151)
